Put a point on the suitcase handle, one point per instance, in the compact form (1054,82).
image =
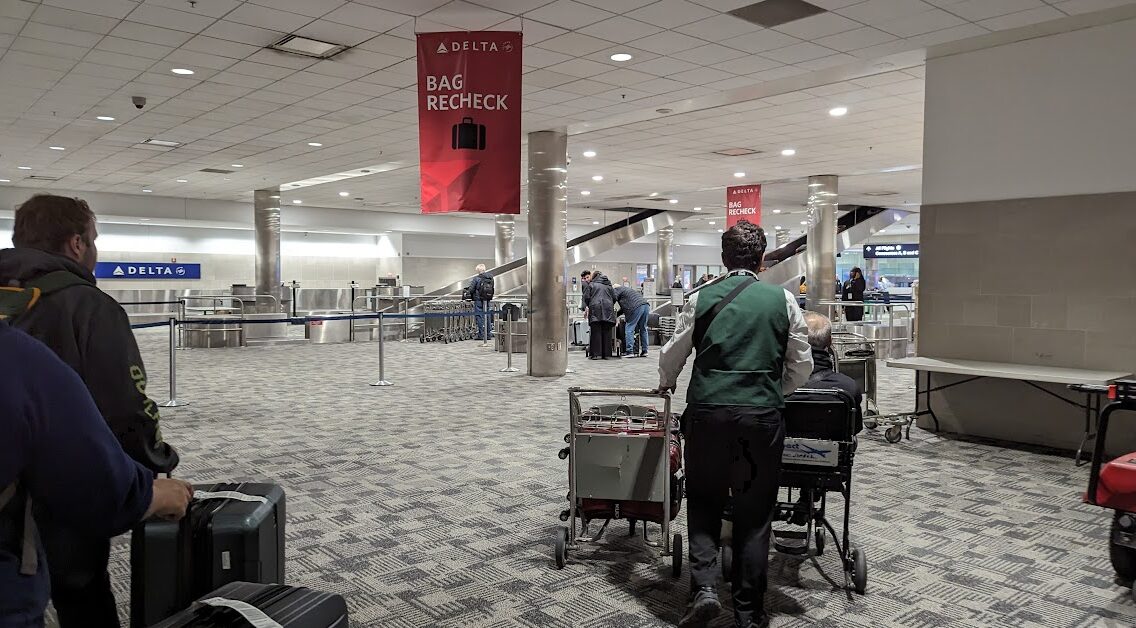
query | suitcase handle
(467,120)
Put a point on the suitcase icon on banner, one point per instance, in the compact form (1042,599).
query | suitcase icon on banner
(468,135)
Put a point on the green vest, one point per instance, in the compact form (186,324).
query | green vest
(741,357)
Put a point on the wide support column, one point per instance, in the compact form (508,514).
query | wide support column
(664,261)
(820,254)
(503,239)
(548,208)
(266,235)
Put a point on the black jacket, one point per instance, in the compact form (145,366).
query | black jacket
(90,331)
(853,290)
(824,378)
(474,289)
(599,298)
(629,300)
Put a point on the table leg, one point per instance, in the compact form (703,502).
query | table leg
(1092,403)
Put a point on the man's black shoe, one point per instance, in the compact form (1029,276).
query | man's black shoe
(704,606)
(760,622)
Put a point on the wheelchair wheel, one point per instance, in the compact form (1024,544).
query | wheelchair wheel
(676,555)
(894,434)
(561,547)
(859,570)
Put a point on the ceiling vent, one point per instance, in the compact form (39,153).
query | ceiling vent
(217,171)
(736,152)
(42,177)
(772,13)
(305,47)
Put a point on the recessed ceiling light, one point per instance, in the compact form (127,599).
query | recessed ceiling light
(144,219)
(589,153)
(472,235)
(182,71)
(654,193)
(804,222)
(739,174)
(721,231)
(345,194)
(836,112)
(165,143)
(296,201)
(788,152)
(585,192)
(56,148)
(105,118)
(5,180)
(621,56)
(237,165)
(147,190)
(777,211)
(595,222)
(24,167)
(673,201)
(183,180)
(697,209)
(597,177)
(316,144)
(778,227)
(712,222)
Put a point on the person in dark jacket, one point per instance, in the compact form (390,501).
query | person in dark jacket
(54,239)
(635,310)
(599,302)
(853,290)
(47,416)
(824,377)
(480,291)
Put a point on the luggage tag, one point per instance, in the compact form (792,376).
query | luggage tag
(253,615)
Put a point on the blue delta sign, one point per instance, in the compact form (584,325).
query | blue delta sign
(146,270)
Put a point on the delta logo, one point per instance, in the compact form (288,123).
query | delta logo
(474,46)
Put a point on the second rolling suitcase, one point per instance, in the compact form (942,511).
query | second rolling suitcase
(244,604)
(231,532)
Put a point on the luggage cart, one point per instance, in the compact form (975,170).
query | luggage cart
(855,356)
(624,462)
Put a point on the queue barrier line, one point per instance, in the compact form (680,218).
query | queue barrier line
(301,320)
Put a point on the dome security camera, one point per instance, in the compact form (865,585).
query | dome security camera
(139,101)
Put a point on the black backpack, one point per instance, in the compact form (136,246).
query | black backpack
(484,288)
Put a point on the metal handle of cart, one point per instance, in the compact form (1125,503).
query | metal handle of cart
(574,412)
(1117,402)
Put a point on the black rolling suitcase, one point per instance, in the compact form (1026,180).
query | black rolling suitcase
(231,532)
(247,605)
(468,135)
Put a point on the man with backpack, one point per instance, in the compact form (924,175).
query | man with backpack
(50,293)
(480,291)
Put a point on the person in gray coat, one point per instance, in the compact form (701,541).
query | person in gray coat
(635,311)
(599,302)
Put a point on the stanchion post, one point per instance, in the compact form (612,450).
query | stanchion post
(485,323)
(382,366)
(509,368)
(173,402)
(568,338)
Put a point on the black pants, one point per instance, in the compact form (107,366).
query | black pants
(80,584)
(601,339)
(733,450)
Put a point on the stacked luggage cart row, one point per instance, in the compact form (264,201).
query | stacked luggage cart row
(452,321)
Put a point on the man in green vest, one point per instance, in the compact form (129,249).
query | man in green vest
(752,350)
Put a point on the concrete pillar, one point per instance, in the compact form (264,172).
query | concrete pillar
(780,237)
(503,239)
(664,260)
(548,209)
(266,235)
(820,254)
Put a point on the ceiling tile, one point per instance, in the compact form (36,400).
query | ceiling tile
(110,8)
(817,26)
(582,68)
(718,27)
(265,17)
(663,66)
(873,12)
(671,13)
(918,24)
(211,45)
(977,10)
(324,30)
(370,18)
(56,33)
(1022,18)
(242,33)
(212,8)
(575,44)
(568,14)
(310,8)
(760,41)
(461,14)
(709,54)
(150,34)
(702,76)
(748,64)
(1074,7)
(541,58)
(854,39)
(170,18)
(668,42)
(75,20)
(406,7)
(797,53)
(389,45)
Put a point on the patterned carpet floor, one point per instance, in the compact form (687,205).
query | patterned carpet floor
(434,502)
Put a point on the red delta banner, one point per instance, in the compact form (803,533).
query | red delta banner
(743,202)
(469,122)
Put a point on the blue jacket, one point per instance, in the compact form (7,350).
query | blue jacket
(54,441)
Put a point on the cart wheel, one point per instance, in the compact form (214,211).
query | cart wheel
(561,547)
(567,438)
(727,563)
(563,453)
(819,541)
(1123,558)
(631,526)
(676,555)
(565,514)
(894,434)
(422,339)
(859,570)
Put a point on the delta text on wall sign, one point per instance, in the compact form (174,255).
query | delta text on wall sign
(146,270)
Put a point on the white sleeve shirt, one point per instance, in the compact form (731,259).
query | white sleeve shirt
(798,354)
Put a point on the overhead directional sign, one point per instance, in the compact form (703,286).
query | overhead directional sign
(890,251)
(146,270)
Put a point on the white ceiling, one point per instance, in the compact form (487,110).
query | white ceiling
(64,62)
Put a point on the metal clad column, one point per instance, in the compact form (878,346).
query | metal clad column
(664,261)
(781,237)
(820,255)
(548,208)
(503,240)
(266,234)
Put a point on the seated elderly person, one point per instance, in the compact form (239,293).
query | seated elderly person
(824,376)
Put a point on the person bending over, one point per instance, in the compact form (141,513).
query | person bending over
(58,455)
(635,311)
